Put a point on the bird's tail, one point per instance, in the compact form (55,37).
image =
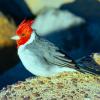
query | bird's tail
(87,65)
(89,69)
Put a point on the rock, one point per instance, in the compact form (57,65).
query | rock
(11,76)
(36,5)
(63,86)
(96,57)
(54,20)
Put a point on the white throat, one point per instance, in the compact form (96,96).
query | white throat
(32,38)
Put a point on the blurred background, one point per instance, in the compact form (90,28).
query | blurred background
(72,25)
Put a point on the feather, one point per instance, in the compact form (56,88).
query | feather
(52,54)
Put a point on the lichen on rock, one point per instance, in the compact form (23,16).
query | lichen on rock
(64,86)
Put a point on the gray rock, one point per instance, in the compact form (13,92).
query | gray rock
(54,20)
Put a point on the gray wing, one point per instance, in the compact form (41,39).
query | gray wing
(51,53)
(55,56)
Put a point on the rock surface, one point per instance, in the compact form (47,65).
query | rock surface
(53,20)
(37,5)
(64,86)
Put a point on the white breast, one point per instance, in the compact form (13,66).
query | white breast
(31,62)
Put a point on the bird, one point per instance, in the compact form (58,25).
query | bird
(38,55)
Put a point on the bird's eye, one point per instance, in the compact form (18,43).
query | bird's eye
(22,34)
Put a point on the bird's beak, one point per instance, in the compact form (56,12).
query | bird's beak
(15,37)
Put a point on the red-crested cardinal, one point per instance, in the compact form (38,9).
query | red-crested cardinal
(39,56)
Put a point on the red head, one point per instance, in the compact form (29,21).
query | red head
(24,32)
